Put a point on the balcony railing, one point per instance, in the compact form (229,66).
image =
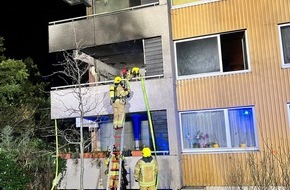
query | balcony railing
(101,83)
(103,14)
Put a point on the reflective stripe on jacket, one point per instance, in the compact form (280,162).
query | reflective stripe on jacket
(145,172)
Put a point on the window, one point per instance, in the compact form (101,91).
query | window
(285,44)
(218,130)
(110,59)
(216,54)
(288,109)
(137,132)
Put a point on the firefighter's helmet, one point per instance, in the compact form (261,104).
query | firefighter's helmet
(135,71)
(117,79)
(146,152)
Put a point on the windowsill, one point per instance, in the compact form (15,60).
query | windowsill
(285,66)
(207,75)
(218,150)
(191,4)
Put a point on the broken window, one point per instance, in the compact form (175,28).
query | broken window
(214,54)
(110,59)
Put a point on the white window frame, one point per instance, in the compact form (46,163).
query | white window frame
(288,113)
(284,65)
(191,3)
(219,54)
(220,149)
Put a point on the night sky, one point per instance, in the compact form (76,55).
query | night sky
(24,26)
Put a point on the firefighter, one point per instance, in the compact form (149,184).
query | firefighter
(114,171)
(118,93)
(131,73)
(125,72)
(135,72)
(146,170)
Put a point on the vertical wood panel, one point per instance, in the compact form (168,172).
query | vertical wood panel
(267,86)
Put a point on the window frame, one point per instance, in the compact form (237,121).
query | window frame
(191,3)
(284,65)
(227,129)
(146,138)
(288,113)
(221,72)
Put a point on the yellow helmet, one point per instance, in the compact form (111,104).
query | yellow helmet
(135,70)
(146,152)
(117,79)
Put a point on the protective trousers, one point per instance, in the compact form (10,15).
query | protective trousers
(119,113)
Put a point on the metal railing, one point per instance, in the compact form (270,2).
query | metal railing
(101,83)
(102,14)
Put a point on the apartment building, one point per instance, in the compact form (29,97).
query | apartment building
(112,36)
(232,72)
(216,76)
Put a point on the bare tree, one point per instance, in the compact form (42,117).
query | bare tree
(266,169)
(75,73)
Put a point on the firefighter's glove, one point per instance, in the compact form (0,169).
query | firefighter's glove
(136,180)
(106,172)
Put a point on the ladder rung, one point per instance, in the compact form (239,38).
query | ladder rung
(116,150)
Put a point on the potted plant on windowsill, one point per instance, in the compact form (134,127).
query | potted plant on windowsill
(88,155)
(127,152)
(243,145)
(136,152)
(99,154)
(199,140)
(214,142)
(65,155)
(215,145)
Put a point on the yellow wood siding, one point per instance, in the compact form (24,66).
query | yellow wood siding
(266,86)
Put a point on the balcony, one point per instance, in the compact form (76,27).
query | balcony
(64,102)
(125,24)
(135,36)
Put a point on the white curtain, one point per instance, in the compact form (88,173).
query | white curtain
(242,127)
(212,125)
